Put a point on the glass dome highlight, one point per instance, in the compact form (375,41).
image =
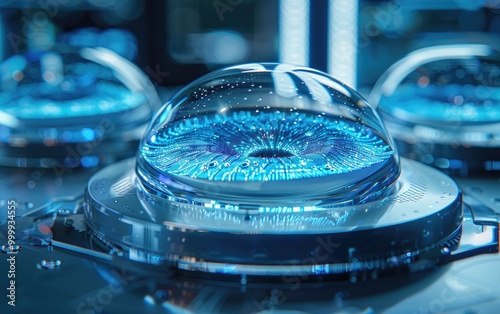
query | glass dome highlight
(268,136)
(455,87)
(69,96)
(442,105)
(243,171)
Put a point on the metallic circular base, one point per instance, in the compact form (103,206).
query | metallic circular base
(455,152)
(413,228)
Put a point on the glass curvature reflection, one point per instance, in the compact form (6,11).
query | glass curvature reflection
(69,96)
(262,134)
(246,170)
(442,105)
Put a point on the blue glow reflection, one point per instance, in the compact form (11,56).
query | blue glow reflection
(264,146)
(38,101)
(64,84)
(448,102)
(270,137)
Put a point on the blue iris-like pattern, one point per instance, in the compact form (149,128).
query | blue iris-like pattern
(264,146)
(68,99)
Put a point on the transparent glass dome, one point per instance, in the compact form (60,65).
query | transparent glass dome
(69,96)
(244,170)
(268,136)
(444,94)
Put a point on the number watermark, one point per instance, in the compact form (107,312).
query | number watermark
(11,249)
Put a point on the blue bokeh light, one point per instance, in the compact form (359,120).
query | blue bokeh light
(89,161)
(88,134)
(39,101)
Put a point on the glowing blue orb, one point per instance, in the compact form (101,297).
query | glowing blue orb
(265,146)
(71,95)
(88,98)
(449,103)
(57,84)
(443,86)
(268,135)
(39,101)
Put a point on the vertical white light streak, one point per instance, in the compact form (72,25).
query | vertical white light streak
(342,40)
(294,32)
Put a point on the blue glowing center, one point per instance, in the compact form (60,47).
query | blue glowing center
(41,101)
(450,102)
(265,146)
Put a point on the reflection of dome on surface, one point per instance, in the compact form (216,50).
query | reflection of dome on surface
(268,130)
(69,96)
(444,95)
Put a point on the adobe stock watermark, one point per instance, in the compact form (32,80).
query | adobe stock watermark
(464,287)
(445,297)
(40,19)
(11,250)
(380,17)
(322,252)
(156,74)
(223,6)
(96,301)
